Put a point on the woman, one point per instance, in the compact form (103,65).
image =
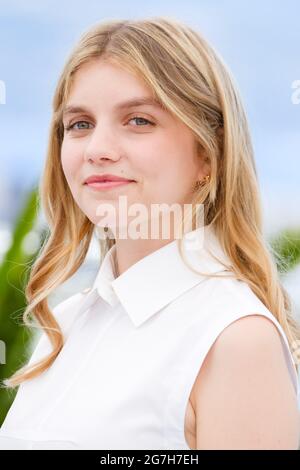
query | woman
(183,342)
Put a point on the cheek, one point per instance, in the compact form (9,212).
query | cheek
(70,161)
(155,158)
(175,170)
(165,160)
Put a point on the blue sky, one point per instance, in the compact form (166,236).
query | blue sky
(259,41)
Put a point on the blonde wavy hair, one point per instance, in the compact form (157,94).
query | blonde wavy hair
(189,78)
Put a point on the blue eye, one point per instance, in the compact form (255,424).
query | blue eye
(143,119)
(67,128)
(72,126)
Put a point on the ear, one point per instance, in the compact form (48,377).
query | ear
(204,168)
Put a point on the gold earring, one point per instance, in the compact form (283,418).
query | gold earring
(202,182)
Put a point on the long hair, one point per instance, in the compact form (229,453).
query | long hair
(189,78)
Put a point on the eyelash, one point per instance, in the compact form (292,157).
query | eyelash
(71,127)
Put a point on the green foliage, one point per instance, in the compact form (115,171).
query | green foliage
(14,271)
(286,248)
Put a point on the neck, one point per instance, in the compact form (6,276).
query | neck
(130,250)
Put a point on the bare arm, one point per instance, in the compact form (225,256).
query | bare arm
(243,396)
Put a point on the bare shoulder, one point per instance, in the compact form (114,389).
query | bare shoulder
(243,395)
(253,334)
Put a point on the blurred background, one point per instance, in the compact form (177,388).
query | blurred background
(259,41)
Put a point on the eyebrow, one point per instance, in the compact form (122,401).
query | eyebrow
(132,103)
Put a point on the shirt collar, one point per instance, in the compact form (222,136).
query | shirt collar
(160,277)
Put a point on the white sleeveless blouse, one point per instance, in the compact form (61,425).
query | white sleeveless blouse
(134,346)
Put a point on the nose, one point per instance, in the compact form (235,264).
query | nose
(101,145)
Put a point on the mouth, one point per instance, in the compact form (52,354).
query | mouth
(105,185)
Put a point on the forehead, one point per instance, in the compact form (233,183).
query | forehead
(108,83)
(134,102)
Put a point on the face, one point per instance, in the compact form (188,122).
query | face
(140,142)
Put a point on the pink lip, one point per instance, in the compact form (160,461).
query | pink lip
(105,178)
(103,185)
